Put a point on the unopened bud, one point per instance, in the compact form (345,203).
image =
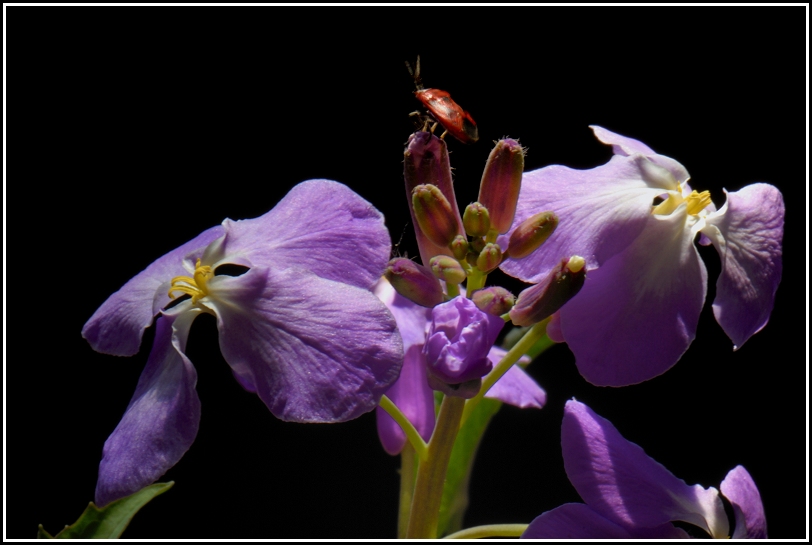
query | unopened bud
(459,247)
(501,181)
(448,269)
(494,300)
(434,214)
(540,301)
(476,220)
(477,244)
(414,282)
(531,234)
(489,258)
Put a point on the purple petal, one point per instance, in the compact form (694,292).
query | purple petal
(414,398)
(321,226)
(516,387)
(623,145)
(752,226)
(740,490)
(412,319)
(574,521)
(161,420)
(117,326)
(637,314)
(619,481)
(601,211)
(316,350)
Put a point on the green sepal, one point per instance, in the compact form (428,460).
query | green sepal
(455,491)
(110,521)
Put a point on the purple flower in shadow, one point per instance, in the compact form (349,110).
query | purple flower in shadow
(300,328)
(629,495)
(639,308)
(412,393)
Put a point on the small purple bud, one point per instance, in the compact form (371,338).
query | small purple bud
(494,300)
(434,214)
(459,247)
(540,301)
(489,258)
(448,269)
(531,234)
(501,181)
(414,282)
(425,161)
(476,220)
(457,345)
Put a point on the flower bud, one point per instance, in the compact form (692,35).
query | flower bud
(477,244)
(425,161)
(489,258)
(414,282)
(457,345)
(540,301)
(448,269)
(501,181)
(459,247)
(434,214)
(494,300)
(476,220)
(531,234)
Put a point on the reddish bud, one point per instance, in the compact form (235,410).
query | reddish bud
(501,181)
(495,300)
(531,234)
(489,258)
(459,247)
(434,214)
(448,269)
(540,301)
(414,282)
(476,220)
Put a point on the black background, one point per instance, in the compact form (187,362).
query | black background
(130,130)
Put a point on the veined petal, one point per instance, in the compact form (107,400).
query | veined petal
(657,285)
(321,226)
(117,326)
(617,479)
(316,350)
(750,229)
(516,387)
(412,319)
(740,490)
(414,398)
(574,521)
(623,145)
(161,420)
(601,211)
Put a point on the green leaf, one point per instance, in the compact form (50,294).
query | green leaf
(110,521)
(455,491)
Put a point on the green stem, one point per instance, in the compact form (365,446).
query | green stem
(519,349)
(489,530)
(452,289)
(476,281)
(407,466)
(428,489)
(411,433)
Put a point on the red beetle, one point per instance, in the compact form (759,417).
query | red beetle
(443,108)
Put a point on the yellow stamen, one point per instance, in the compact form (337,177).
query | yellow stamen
(196,287)
(576,263)
(696,202)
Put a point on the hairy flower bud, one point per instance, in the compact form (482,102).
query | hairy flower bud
(501,181)
(459,247)
(448,269)
(414,282)
(457,345)
(425,161)
(434,214)
(476,220)
(559,286)
(494,300)
(489,258)
(531,234)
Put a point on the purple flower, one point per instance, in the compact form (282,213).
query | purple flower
(629,495)
(638,311)
(300,328)
(412,393)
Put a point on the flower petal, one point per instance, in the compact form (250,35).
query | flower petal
(321,226)
(750,229)
(623,145)
(412,319)
(601,211)
(117,326)
(620,481)
(574,521)
(414,398)
(161,420)
(657,285)
(516,387)
(316,350)
(740,490)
